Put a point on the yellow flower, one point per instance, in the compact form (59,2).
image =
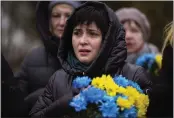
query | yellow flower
(158,59)
(124,103)
(111,90)
(121,90)
(108,79)
(98,83)
(110,86)
(142,104)
(132,93)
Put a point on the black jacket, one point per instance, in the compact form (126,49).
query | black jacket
(9,97)
(40,63)
(161,96)
(111,60)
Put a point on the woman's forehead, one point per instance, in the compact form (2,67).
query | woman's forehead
(62,8)
(92,25)
(131,24)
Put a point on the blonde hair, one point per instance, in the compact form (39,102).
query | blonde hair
(168,33)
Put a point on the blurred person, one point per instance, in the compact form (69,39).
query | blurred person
(11,95)
(137,29)
(89,47)
(42,62)
(161,96)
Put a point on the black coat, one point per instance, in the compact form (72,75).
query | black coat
(12,103)
(40,63)
(161,96)
(55,99)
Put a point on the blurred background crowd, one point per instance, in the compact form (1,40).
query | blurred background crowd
(19,34)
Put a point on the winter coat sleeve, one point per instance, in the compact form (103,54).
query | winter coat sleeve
(139,75)
(143,79)
(32,97)
(47,106)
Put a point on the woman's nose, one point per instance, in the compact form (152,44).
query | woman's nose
(62,21)
(83,39)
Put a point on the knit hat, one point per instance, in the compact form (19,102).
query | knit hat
(134,14)
(74,4)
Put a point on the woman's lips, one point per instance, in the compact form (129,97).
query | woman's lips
(128,44)
(84,52)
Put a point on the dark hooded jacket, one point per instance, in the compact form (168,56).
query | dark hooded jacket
(10,95)
(161,96)
(111,60)
(40,63)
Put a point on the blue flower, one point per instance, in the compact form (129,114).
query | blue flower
(93,95)
(146,60)
(109,109)
(121,81)
(79,103)
(129,113)
(107,98)
(81,82)
(135,85)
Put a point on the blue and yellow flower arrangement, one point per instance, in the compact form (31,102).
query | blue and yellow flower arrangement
(109,97)
(151,62)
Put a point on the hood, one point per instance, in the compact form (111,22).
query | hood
(113,52)
(42,23)
(50,42)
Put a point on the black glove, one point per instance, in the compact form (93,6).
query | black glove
(61,106)
(65,100)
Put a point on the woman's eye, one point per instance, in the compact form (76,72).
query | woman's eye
(93,33)
(56,15)
(76,33)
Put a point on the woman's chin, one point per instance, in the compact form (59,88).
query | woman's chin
(85,61)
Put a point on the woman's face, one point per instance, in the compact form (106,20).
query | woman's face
(59,15)
(86,42)
(134,37)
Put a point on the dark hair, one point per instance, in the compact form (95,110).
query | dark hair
(91,14)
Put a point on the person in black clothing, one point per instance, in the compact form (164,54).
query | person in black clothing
(11,95)
(7,88)
(161,96)
(42,62)
(93,44)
